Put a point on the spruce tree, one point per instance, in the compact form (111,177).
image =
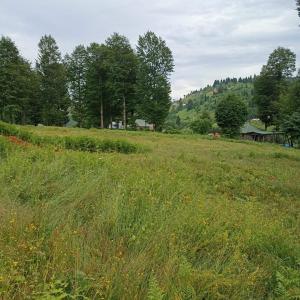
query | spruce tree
(53,83)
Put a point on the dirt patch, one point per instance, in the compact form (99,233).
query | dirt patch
(15,140)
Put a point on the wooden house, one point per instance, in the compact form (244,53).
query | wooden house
(249,132)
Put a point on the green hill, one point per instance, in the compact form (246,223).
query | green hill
(187,218)
(207,98)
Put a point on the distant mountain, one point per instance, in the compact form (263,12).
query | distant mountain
(206,99)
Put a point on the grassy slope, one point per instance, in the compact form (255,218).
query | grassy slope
(190,219)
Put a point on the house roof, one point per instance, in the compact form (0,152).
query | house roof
(248,128)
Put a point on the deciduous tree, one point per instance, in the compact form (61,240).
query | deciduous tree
(231,115)
(122,64)
(272,83)
(153,82)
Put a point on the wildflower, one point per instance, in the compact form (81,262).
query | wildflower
(32,227)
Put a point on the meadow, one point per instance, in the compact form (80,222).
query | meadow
(183,217)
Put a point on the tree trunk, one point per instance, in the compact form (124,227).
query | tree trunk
(124,113)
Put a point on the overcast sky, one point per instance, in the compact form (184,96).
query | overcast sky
(210,39)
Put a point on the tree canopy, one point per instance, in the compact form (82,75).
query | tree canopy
(155,64)
(93,85)
(272,82)
(231,115)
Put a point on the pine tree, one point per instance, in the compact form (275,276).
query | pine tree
(153,83)
(53,83)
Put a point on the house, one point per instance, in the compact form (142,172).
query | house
(249,132)
(143,125)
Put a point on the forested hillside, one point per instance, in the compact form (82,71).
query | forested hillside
(186,109)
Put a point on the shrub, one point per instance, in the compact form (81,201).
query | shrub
(202,126)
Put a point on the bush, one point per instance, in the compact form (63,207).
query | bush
(202,126)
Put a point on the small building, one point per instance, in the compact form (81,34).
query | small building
(116,125)
(249,132)
(143,125)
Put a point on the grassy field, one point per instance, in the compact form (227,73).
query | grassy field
(189,218)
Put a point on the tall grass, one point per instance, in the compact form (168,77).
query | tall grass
(190,219)
(73,143)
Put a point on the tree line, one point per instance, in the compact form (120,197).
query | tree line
(234,80)
(95,85)
(276,99)
(277,93)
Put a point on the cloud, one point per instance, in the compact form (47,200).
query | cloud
(210,39)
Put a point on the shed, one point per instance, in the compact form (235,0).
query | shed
(249,132)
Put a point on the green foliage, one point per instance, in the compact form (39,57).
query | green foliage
(266,97)
(122,63)
(202,126)
(231,115)
(290,102)
(71,143)
(281,63)
(272,83)
(93,145)
(155,64)
(206,99)
(54,291)
(98,93)
(76,64)
(93,86)
(291,126)
(154,291)
(4,146)
(18,86)
(53,83)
